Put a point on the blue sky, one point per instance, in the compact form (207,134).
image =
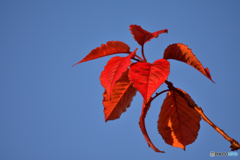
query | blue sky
(50,110)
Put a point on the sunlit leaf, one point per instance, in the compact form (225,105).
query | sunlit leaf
(143,128)
(111,47)
(113,71)
(182,53)
(178,123)
(147,77)
(122,95)
(142,36)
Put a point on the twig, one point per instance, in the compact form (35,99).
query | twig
(234,144)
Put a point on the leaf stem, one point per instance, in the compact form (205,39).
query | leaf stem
(144,58)
(139,58)
(234,144)
(136,59)
(157,94)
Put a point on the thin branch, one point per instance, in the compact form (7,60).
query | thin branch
(234,144)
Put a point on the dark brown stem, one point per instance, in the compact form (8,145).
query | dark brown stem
(234,144)
(157,94)
(136,59)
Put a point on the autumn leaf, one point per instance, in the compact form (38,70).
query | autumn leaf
(178,124)
(147,77)
(145,109)
(122,95)
(111,47)
(113,71)
(182,53)
(142,36)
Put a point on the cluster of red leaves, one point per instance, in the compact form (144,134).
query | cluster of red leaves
(178,124)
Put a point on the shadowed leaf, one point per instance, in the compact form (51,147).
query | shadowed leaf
(147,77)
(145,109)
(122,95)
(178,124)
(142,36)
(182,53)
(113,71)
(111,47)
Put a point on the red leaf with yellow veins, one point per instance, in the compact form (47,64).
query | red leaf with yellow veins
(178,123)
(147,77)
(111,47)
(113,71)
(182,53)
(122,95)
(142,36)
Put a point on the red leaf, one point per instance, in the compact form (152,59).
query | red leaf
(178,123)
(182,53)
(111,47)
(142,36)
(113,71)
(122,95)
(147,77)
(143,128)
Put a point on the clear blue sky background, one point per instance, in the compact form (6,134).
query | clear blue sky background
(50,110)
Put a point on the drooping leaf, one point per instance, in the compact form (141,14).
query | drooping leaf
(142,36)
(111,47)
(182,53)
(147,77)
(122,95)
(113,71)
(178,124)
(143,128)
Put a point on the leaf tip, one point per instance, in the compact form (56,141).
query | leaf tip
(76,63)
(166,30)
(106,120)
(132,54)
(157,33)
(208,74)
